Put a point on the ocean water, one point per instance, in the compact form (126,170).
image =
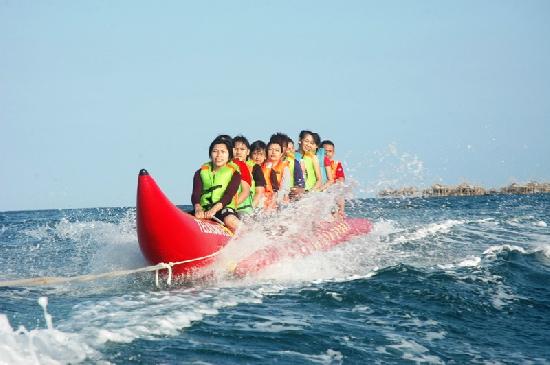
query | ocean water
(442,280)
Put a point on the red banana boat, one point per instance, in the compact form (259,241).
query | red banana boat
(166,234)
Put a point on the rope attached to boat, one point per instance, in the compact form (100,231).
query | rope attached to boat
(53,280)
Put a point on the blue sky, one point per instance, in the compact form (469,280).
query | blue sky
(411,92)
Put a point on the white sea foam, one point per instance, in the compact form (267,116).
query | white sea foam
(272,324)
(471,261)
(329,357)
(101,246)
(411,350)
(502,296)
(544,249)
(430,230)
(42,346)
(431,336)
(492,251)
(540,224)
(84,231)
(127,318)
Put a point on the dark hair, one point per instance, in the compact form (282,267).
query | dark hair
(304,133)
(327,141)
(242,139)
(222,139)
(279,138)
(280,135)
(258,145)
(276,141)
(316,139)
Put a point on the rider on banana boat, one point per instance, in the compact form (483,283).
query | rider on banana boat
(241,152)
(309,161)
(277,176)
(258,153)
(326,171)
(337,171)
(215,185)
(335,166)
(246,178)
(297,182)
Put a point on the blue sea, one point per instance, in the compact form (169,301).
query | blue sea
(457,280)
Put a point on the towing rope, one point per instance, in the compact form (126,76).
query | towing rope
(53,280)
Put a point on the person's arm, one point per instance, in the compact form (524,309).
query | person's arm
(273,180)
(317,173)
(282,194)
(328,169)
(245,192)
(196,195)
(259,180)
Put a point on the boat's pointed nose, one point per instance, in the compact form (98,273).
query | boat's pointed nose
(143,172)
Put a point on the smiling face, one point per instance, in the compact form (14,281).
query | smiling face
(219,155)
(258,156)
(290,149)
(290,146)
(274,152)
(240,151)
(308,143)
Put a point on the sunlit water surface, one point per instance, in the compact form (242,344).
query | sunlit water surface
(440,280)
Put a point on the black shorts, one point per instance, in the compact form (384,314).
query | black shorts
(224,212)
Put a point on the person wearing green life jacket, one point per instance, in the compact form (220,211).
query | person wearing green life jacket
(326,171)
(215,185)
(246,180)
(241,152)
(309,161)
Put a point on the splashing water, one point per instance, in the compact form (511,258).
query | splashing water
(432,273)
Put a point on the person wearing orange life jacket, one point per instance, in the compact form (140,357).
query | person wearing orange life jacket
(277,176)
(297,182)
(241,152)
(215,185)
(258,155)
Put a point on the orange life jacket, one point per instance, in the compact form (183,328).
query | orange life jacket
(269,189)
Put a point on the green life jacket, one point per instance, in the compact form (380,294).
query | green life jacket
(214,185)
(291,165)
(309,171)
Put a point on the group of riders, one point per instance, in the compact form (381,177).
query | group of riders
(241,178)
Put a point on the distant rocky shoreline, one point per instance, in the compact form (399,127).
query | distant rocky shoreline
(466,189)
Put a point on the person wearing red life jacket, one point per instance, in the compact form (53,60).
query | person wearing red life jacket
(337,171)
(334,165)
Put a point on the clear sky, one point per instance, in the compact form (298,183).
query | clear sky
(411,92)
